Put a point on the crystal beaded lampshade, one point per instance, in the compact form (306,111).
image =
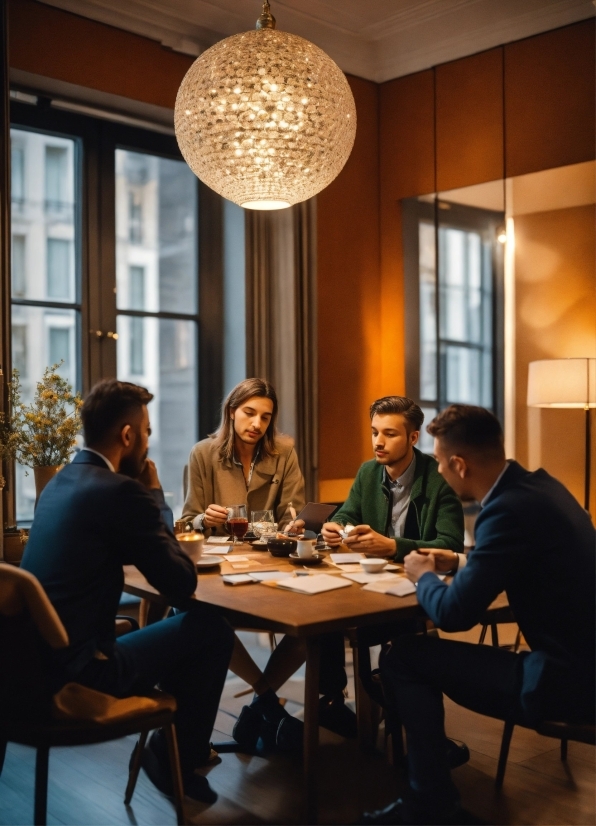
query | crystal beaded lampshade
(265,118)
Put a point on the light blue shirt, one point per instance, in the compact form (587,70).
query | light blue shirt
(400,491)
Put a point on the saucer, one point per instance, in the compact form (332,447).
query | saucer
(209,561)
(259,545)
(315,559)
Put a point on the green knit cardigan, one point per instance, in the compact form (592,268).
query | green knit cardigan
(435,518)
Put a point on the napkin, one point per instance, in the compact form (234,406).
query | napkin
(339,559)
(317,584)
(218,549)
(364,579)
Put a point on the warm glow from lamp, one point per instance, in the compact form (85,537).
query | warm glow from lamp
(562,383)
(265,118)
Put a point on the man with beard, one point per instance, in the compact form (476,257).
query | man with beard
(104,510)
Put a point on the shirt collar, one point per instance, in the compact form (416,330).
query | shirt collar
(101,456)
(406,479)
(496,482)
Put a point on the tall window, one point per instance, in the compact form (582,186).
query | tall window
(46,304)
(105,279)
(157,299)
(454,354)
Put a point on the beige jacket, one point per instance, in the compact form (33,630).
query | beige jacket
(276,481)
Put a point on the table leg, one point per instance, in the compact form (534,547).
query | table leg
(311,726)
(151,611)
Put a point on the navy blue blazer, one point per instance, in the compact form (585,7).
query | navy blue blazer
(536,543)
(88,523)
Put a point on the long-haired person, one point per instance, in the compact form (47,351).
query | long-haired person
(247,462)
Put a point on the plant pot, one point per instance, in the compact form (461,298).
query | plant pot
(43,474)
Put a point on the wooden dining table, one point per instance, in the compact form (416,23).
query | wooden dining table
(277,610)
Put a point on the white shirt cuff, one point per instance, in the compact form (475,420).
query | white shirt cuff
(463,561)
(197,522)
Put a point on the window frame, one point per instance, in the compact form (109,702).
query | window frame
(97,139)
(465,218)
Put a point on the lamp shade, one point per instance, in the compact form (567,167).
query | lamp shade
(562,383)
(265,118)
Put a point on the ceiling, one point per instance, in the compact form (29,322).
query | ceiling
(374,39)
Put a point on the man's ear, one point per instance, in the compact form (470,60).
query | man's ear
(126,435)
(414,436)
(459,466)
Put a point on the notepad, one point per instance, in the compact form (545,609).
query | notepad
(218,540)
(340,559)
(317,584)
(264,576)
(219,549)
(364,579)
(401,588)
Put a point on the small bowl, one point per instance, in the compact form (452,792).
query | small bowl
(281,547)
(373,566)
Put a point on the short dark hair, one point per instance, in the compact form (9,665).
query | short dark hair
(402,405)
(464,427)
(107,406)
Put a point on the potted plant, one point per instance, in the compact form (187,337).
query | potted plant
(41,435)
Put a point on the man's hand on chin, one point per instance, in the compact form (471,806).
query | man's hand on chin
(148,475)
(415,565)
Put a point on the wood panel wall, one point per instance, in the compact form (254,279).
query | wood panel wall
(349,302)
(53,43)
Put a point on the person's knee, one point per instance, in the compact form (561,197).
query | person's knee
(205,624)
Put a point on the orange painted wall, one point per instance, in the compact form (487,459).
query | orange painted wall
(349,300)
(53,43)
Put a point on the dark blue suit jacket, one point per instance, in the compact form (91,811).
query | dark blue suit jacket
(536,543)
(89,522)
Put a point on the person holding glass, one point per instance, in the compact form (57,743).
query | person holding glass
(244,467)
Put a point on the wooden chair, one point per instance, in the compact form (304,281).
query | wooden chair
(581,733)
(77,715)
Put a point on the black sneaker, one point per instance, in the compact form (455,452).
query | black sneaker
(457,753)
(155,763)
(335,715)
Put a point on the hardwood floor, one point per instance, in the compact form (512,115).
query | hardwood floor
(87,784)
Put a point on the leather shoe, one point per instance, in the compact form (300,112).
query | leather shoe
(247,728)
(457,754)
(156,766)
(290,735)
(394,815)
(335,715)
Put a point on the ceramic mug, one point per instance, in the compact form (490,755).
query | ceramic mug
(305,549)
(192,544)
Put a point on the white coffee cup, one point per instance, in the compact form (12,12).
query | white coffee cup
(373,566)
(192,544)
(305,548)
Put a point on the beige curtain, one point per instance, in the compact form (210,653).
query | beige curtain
(281,320)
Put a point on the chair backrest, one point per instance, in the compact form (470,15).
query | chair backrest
(29,629)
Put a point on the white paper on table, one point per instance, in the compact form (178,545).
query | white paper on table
(340,559)
(364,579)
(317,584)
(267,575)
(218,540)
(402,588)
(219,549)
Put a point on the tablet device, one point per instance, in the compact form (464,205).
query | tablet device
(315,514)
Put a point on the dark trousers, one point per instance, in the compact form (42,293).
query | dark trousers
(188,656)
(417,671)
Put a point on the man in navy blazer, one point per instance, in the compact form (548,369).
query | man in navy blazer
(536,543)
(104,510)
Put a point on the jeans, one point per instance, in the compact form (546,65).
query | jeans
(188,656)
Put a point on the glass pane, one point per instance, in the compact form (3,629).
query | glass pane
(43,216)
(426,441)
(428,330)
(161,354)
(465,375)
(40,337)
(156,228)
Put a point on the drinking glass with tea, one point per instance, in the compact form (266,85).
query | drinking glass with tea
(237,523)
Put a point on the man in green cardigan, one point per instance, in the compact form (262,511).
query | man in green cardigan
(399,502)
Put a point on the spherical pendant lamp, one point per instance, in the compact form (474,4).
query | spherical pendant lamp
(265,118)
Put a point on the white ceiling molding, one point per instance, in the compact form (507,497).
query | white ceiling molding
(378,39)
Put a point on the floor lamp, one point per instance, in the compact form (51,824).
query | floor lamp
(565,383)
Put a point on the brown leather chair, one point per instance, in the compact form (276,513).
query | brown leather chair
(76,715)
